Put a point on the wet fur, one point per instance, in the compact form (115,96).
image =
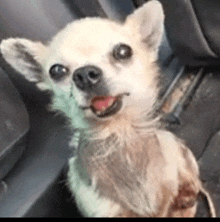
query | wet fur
(127,165)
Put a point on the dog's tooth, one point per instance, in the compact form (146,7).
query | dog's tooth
(98,113)
(111,102)
(103,108)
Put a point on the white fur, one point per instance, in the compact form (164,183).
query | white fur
(87,198)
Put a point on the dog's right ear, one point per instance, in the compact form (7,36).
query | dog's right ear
(148,23)
(25,57)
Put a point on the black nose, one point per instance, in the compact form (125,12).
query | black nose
(87,77)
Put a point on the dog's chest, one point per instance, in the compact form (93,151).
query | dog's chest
(122,169)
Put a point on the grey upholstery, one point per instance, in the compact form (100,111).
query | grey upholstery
(192,28)
(14,124)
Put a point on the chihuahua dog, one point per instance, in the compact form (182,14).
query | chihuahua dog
(104,78)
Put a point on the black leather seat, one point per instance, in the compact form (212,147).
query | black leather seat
(193,30)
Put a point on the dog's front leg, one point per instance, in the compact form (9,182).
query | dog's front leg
(185,203)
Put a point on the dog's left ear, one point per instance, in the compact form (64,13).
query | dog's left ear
(148,23)
(25,56)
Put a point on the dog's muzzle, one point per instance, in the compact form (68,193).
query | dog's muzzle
(89,79)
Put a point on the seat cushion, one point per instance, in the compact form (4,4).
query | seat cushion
(14,125)
(193,29)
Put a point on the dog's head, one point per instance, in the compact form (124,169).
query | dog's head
(107,68)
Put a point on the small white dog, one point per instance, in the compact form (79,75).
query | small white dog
(104,77)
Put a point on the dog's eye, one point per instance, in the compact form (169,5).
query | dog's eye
(122,52)
(57,72)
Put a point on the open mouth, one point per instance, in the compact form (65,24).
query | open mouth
(106,106)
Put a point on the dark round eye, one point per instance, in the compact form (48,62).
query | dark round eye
(122,52)
(58,72)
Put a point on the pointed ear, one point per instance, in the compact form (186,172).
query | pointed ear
(148,23)
(25,57)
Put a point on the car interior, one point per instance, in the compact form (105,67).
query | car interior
(35,148)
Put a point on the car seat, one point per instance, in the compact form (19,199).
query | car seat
(34,183)
(193,30)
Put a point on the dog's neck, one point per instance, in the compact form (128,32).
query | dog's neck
(115,135)
(122,126)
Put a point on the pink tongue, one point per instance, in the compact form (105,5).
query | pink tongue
(102,103)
